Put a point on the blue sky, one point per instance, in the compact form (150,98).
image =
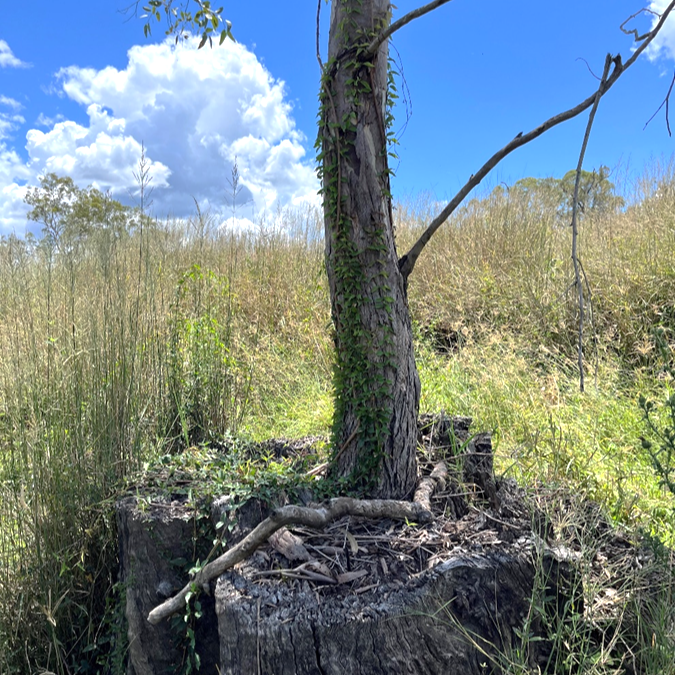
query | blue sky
(81,89)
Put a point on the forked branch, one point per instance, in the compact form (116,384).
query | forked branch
(407,262)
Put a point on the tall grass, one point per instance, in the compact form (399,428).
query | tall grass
(112,348)
(500,263)
(124,344)
(546,432)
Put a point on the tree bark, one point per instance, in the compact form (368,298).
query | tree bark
(376,383)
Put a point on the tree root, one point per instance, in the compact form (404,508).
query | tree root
(318,517)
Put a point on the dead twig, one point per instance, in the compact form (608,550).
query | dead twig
(666,102)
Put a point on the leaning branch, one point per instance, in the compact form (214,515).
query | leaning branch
(407,262)
(575,229)
(404,20)
(418,511)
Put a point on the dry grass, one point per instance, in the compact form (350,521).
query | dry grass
(501,265)
(119,348)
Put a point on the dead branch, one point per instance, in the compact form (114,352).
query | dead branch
(318,31)
(407,262)
(429,484)
(315,517)
(591,315)
(666,102)
(634,31)
(575,228)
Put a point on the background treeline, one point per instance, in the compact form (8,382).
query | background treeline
(124,338)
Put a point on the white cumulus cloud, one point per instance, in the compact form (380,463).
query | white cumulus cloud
(195,111)
(7,58)
(100,154)
(12,209)
(663,45)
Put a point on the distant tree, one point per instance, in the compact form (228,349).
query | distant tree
(377,389)
(52,204)
(540,195)
(70,214)
(596,193)
(69,217)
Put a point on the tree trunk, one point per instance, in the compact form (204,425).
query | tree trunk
(377,388)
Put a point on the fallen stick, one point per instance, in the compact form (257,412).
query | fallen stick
(316,517)
(428,485)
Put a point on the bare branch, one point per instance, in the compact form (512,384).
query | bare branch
(318,31)
(407,262)
(666,102)
(575,211)
(404,20)
(634,31)
(317,518)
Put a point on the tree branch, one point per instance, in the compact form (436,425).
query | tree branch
(666,102)
(318,31)
(404,20)
(407,262)
(575,229)
(418,511)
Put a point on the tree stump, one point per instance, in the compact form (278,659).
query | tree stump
(455,619)
(362,596)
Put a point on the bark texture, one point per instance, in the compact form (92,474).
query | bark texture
(376,381)
(451,620)
(149,540)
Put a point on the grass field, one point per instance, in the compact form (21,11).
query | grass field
(120,346)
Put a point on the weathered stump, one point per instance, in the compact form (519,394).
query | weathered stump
(446,597)
(156,545)
(450,620)
(155,542)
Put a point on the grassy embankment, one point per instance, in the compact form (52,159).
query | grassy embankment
(119,349)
